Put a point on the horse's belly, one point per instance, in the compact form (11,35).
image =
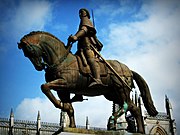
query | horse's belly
(83,82)
(92,92)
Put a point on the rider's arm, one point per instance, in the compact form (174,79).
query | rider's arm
(81,33)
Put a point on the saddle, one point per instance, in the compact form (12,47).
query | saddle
(120,68)
(85,70)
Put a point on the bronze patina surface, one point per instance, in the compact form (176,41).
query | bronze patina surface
(67,73)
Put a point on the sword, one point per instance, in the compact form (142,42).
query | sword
(110,67)
(93,18)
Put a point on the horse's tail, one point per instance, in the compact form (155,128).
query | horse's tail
(145,94)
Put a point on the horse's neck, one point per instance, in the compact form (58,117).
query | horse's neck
(53,52)
(69,60)
(49,57)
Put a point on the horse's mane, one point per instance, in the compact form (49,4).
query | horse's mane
(40,32)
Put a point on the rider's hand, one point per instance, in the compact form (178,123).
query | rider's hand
(72,38)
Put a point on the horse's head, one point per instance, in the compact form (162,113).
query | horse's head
(43,49)
(33,51)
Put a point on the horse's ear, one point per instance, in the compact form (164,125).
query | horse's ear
(19,45)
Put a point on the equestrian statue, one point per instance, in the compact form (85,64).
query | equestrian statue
(84,73)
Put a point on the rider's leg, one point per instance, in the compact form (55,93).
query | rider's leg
(94,66)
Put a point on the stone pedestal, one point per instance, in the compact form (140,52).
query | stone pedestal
(96,132)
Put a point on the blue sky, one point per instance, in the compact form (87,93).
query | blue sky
(142,34)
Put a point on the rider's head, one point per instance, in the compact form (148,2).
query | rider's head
(83,13)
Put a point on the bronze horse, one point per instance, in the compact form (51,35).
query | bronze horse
(63,74)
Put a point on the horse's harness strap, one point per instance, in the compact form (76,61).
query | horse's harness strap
(60,60)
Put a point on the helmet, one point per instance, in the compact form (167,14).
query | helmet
(84,12)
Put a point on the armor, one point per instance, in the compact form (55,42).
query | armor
(87,26)
(86,37)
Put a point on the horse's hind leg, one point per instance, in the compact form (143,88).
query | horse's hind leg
(135,111)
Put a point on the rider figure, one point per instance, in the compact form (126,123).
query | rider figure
(86,36)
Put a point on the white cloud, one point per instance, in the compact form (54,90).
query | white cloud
(98,110)
(29,107)
(32,15)
(151,47)
(24,16)
(116,8)
(20,18)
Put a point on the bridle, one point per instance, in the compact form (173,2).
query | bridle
(37,51)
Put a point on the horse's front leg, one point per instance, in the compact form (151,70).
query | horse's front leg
(67,107)
(47,87)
